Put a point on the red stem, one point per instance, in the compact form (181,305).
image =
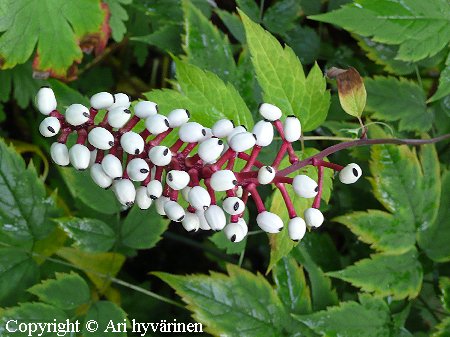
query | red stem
(322,163)
(256,198)
(287,200)
(316,203)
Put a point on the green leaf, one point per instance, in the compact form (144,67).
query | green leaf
(222,242)
(351,319)
(27,313)
(291,286)
(305,42)
(398,100)
(107,315)
(118,18)
(18,271)
(36,24)
(383,231)
(23,202)
(166,38)
(433,239)
(80,186)
(443,328)
(444,285)
(206,96)
(386,274)
(444,83)
(91,235)
(250,8)
(233,23)
(241,304)
(206,47)
(420,29)
(289,10)
(99,267)
(280,243)
(323,294)
(142,229)
(282,79)
(67,291)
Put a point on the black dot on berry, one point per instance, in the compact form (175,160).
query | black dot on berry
(205,208)
(236,206)
(244,127)
(280,229)
(268,168)
(166,152)
(49,128)
(233,238)
(153,197)
(143,170)
(86,114)
(157,108)
(114,98)
(295,240)
(129,203)
(355,172)
(45,86)
(169,177)
(136,151)
(266,120)
(316,189)
(203,132)
(232,122)
(181,218)
(129,98)
(117,178)
(235,182)
(111,143)
(254,136)
(188,113)
(220,142)
(166,121)
(291,116)
(127,111)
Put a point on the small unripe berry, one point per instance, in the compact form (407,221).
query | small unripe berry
(233,205)
(350,174)
(137,169)
(157,124)
(154,189)
(77,114)
(292,129)
(234,232)
(269,222)
(177,180)
(99,176)
(102,100)
(45,100)
(263,131)
(160,155)
(313,217)
(178,117)
(304,186)
(270,111)
(235,131)
(199,198)
(124,191)
(191,222)
(142,199)
(121,100)
(145,109)
(118,117)
(191,132)
(60,154)
(49,126)
(296,228)
(101,138)
(223,180)
(132,143)
(266,175)
(160,203)
(242,141)
(215,217)
(210,150)
(79,156)
(174,211)
(112,166)
(222,128)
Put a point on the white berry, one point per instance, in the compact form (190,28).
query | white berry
(160,155)
(154,189)
(263,131)
(45,100)
(49,126)
(215,217)
(210,150)
(132,143)
(191,132)
(222,128)
(145,109)
(77,114)
(191,222)
(159,205)
(124,191)
(313,217)
(178,117)
(157,124)
(270,111)
(266,175)
(269,222)
(223,180)
(235,131)
(60,154)
(142,199)
(79,156)
(296,228)
(304,186)
(121,100)
(233,205)
(199,198)
(350,174)
(174,211)
(292,129)
(112,166)
(99,176)
(234,232)
(242,141)
(202,220)
(177,180)
(102,100)
(118,117)
(137,169)
(101,138)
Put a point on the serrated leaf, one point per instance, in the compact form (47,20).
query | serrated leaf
(105,312)
(398,100)
(351,319)
(383,231)
(99,267)
(444,83)
(322,292)
(34,24)
(18,271)
(444,285)
(250,8)
(443,328)
(433,239)
(118,18)
(166,38)
(66,291)
(420,29)
(222,242)
(384,274)
(280,243)
(205,46)
(27,313)
(291,286)
(23,203)
(206,96)
(91,235)
(289,10)
(80,186)
(142,229)
(282,79)
(241,304)
(233,24)
(305,42)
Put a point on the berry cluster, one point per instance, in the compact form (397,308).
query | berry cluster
(165,173)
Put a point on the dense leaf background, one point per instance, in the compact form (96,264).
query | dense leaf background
(380,264)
